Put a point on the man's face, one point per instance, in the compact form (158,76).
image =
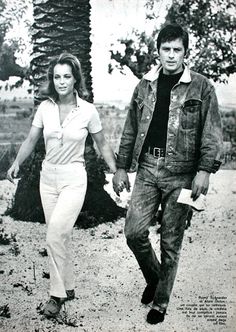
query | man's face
(172,56)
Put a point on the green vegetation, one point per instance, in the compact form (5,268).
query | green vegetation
(211,24)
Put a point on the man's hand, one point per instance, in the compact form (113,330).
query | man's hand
(120,181)
(200,184)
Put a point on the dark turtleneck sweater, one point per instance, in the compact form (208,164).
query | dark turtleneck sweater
(157,132)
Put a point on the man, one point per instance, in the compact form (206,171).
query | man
(173,133)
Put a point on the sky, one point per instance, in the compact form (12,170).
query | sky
(110,20)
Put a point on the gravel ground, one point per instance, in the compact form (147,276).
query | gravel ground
(109,283)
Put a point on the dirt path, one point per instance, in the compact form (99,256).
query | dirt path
(109,283)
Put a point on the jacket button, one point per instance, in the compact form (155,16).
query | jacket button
(148,117)
(142,135)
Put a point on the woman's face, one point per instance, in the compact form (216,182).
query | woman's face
(63,79)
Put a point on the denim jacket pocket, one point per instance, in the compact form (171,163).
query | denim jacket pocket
(186,143)
(190,114)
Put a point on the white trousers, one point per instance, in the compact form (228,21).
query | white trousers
(62,190)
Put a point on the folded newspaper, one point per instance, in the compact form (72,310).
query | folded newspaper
(185,198)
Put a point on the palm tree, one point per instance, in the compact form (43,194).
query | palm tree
(62,25)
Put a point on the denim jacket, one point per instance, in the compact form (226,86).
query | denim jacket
(194,134)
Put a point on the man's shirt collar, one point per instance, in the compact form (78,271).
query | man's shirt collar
(154,73)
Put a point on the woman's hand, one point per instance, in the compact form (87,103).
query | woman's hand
(25,150)
(13,171)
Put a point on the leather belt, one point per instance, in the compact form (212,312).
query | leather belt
(156,152)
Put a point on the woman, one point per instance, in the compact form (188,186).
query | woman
(65,119)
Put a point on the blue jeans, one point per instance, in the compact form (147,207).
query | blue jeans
(155,185)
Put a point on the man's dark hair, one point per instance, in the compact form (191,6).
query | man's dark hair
(171,32)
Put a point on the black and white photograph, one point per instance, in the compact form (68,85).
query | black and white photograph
(117,165)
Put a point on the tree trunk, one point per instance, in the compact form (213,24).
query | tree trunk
(63,26)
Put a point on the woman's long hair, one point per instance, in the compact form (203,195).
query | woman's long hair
(48,90)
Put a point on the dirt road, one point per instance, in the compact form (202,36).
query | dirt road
(109,283)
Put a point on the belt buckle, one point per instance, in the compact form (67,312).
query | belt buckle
(157,152)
